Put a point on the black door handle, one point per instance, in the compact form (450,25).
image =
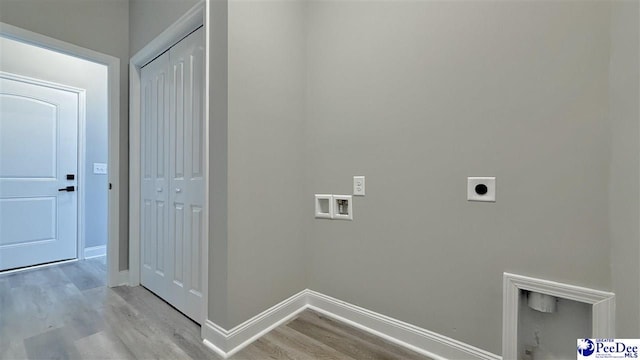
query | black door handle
(68,188)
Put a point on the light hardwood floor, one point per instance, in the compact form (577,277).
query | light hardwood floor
(66,312)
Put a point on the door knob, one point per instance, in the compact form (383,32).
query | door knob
(178,190)
(68,188)
(159,189)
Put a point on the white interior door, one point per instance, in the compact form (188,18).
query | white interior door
(38,148)
(172,154)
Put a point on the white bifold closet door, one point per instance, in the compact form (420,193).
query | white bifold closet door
(173,181)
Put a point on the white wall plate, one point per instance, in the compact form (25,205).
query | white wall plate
(324,206)
(99,168)
(481,189)
(342,207)
(358,185)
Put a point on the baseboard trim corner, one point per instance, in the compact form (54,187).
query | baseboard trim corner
(121,278)
(95,251)
(214,348)
(439,347)
(228,342)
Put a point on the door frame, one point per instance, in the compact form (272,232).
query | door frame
(186,24)
(115,277)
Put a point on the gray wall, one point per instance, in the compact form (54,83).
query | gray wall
(218,47)
(98,25)
(27,60)
(148,18)
(419,95)
(624,100)
(267,82)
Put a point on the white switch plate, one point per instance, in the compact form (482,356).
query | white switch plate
(358,185)
(99,168)
(489,182)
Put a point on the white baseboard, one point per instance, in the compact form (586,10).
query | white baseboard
(228,342)
(410,336)
(120,278)
(95,251)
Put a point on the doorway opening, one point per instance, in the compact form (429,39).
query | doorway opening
(60,107)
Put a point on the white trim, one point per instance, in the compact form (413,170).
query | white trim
(420,340)
(603,307)
(187,23)
(113,78)
(207,168)
(134,175)
(122,278)
(439,347)
(95,251)
(228,342)
(81,172)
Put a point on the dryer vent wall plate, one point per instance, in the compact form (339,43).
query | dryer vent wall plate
(481,188)
(324,206)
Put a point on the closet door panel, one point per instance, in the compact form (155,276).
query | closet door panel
(196,177)
(176,166)
(172,155)
(155,199)
(187,178)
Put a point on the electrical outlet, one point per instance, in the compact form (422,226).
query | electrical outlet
(358,185)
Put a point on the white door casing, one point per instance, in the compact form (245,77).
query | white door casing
(38,148)
(173,181)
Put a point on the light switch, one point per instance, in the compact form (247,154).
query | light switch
(99,168)
(358,185)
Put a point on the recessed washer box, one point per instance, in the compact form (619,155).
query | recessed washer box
(324,206)
(481,188)
(342,207)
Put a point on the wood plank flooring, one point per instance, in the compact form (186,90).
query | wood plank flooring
(66,312)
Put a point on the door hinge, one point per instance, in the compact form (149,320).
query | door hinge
(110,186)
